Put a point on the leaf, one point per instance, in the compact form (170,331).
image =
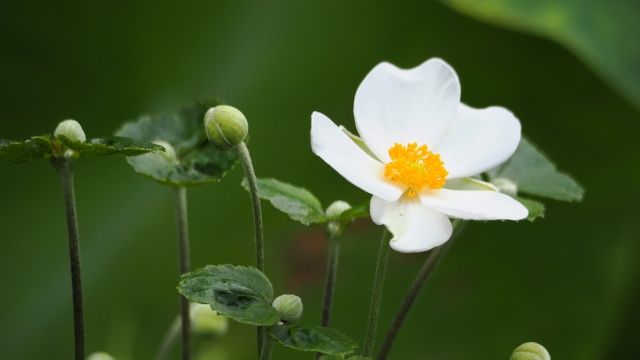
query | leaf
(347,216)
(113,145)
(243,294)
(534,174)
(196,162)
(20,151)
(536,209)
(603,33)
(318,339)
(353,357)
(298,203)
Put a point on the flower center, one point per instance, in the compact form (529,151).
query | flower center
(415,167)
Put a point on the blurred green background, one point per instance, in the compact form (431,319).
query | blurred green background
(569,281)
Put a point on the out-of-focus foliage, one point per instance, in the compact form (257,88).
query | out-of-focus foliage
(604,33)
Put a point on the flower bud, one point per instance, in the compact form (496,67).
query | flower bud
(169,152)
(530,351)
(505,186)
(336,209)
(289,307)
(205,320)
(70,129)
(100,356)
(226,127)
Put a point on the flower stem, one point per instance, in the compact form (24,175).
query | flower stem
(267,345)
(376,295)
(183,251)
(168,340)
(64,167)
(245,158)
(333,253)
(418,283)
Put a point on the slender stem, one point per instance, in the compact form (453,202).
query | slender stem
(169,339)
(245,158)
(183,251)
(333,253)
(418,283)
(376,296)
(65,169)
(267,346)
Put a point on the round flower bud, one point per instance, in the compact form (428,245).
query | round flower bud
(100,356)
(289,307)
(506,186)
(205,320)
(226,127)
(530,351)
(169,152)
(70,129)
(336,209)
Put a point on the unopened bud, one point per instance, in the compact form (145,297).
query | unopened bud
(100,356)
(70,129)
(530,351)
(336,209)
(505,186)
(205,320)
(226,127)
(289,307)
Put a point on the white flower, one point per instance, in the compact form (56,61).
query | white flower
(419,147)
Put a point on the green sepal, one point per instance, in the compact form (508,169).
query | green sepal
(197,161)
(300,204)
(37,147)
(317,339)
(535,174)
(241,293)
(111,145)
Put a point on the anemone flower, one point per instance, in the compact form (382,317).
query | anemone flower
(418,152)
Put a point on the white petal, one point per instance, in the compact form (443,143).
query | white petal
(478,140)
(414,227)
(394,105)
(349,160)
(474,205)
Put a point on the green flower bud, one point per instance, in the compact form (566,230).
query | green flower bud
(336,209)
(169,152)
(530,351)
(506,186)
(100,356)
(289,307)
(70,129)
(205,320)
(226,127)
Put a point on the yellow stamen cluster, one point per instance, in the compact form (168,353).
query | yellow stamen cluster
(415,167)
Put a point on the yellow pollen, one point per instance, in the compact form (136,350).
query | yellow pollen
(415,167)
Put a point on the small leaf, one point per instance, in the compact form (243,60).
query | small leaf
(243,294)
(113,145)
(318,339)
(355,212)
(298,203)
(20,151)
(197,161)
(536,175)
(536,209)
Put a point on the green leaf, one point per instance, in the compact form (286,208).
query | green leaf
(20,151)
(197,161)
(317,339)
(299,203)
(113,145)
(355,212)
(603,33)
(536,209)
(353,357)
(536,175)
(243,294)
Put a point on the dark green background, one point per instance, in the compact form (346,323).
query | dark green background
(569,281)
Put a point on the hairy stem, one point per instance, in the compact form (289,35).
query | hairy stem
(184,263)
(333,253)
(376,296)
(418,283)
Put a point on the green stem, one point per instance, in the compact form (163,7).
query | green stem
(183,251)
(376,296)
(245,159)
(333,253)
(169,339)
(418,283)
(267,346)
(64,167)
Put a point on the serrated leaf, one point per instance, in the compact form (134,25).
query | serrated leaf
(112,145)
(536,175)
(241,293)
(20,151)
(197,161)
(298,203)
(317,339)
(536,208)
